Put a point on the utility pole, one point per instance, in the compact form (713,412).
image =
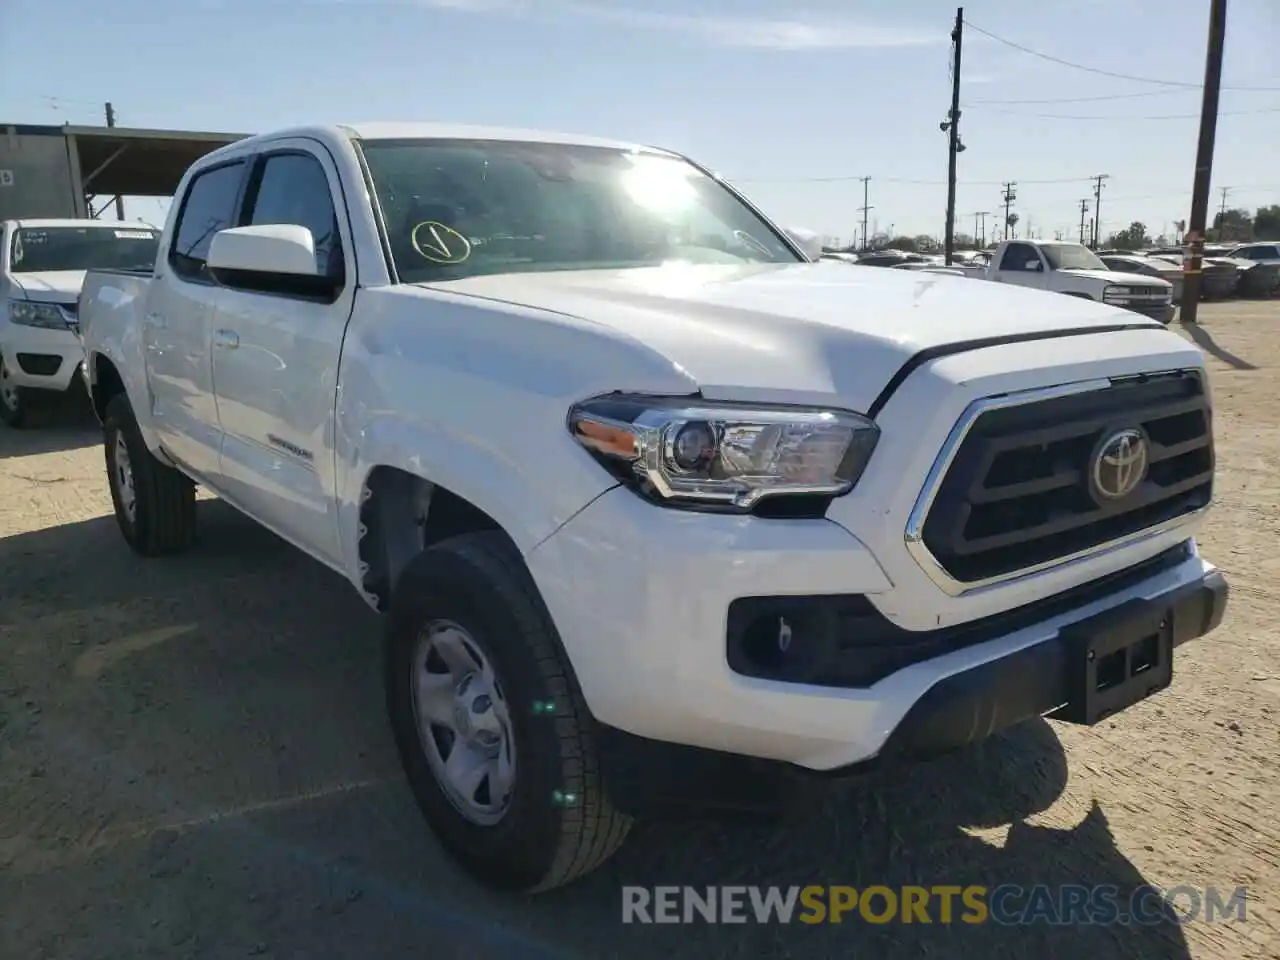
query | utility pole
(111,122)
(1204,161)
(952,126)
(1222,215)
(1097,206)
(981,236)
(1009,197)
(1084,209)
(865,208)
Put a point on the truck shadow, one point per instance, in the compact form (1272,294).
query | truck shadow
(196,763)
(59,423)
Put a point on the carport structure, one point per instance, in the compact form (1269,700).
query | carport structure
(82,171)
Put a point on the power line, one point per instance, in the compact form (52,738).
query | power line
(53,99)
(1109,96)
(1127,117)
(1097,70)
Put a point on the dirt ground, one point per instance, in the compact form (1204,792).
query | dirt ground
(194,761)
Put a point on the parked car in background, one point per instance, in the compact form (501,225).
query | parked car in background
(1219,278)
(42,266)
(890,258)
(1075,270)
(1268,253)
(1148,266)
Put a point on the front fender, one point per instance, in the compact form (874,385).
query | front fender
(124,353)
(529,499)
(473,396)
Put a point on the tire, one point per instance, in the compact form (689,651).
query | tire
(160,515)
(558,822)
(15,401)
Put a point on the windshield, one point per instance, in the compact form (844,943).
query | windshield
(1071,256)
(461,208)
(36,249)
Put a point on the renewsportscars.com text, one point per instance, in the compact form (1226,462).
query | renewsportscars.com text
(1008,904)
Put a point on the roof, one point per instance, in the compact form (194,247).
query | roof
(131,161)
(441,131)
(454,131)
(140,163)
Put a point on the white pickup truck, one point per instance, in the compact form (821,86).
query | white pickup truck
(1077,271)
(42,265)
(662,513)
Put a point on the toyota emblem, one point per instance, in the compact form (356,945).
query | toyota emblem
(1119,465)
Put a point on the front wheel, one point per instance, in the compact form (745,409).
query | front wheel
(493,732)
(155,505)
(14,400)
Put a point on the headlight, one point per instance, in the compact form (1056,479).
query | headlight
(28,314)
(684,451)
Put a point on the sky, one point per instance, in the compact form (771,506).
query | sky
(791,102)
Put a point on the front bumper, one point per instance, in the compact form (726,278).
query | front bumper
(646,628)
(651,778)
(39,358)
(1163,312)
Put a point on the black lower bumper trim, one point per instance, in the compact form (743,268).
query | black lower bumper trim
(1037,680)
(650,778)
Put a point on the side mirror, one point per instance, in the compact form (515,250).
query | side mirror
(277,248)
(810,243)
(1033,266)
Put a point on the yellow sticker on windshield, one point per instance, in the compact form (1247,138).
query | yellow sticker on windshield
(439,243)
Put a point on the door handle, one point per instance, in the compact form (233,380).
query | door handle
(226,339)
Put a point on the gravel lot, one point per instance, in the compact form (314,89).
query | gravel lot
(194,760)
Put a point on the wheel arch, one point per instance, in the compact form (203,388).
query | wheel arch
(401,514)
(105,382)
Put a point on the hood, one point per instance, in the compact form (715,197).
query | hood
(56,286)
(1115,276)
(789,331)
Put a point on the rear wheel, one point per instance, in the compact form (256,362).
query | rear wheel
(495,738)
(13,399)
(155,504)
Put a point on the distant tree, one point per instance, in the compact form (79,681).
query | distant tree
(907,244)
(1266,222)
(965,242)
(1235,224)
(1133,237)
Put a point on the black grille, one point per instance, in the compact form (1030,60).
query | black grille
(1017,493)
(39,364)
